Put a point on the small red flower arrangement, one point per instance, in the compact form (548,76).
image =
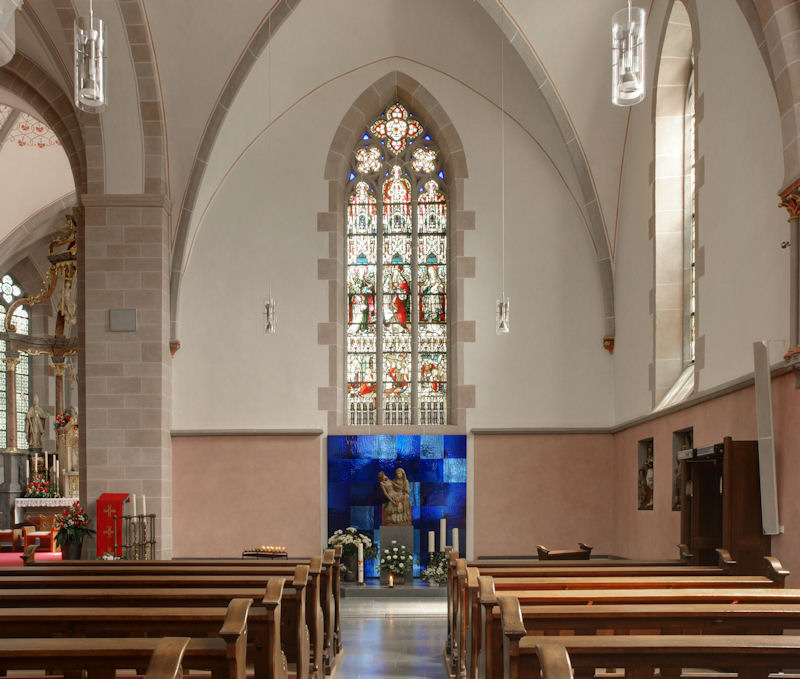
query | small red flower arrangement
(62,420)
(40,487)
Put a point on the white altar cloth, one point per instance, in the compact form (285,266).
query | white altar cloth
(23,503)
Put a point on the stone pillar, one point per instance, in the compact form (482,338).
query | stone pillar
(11,401)
(58,370)
(791,201)
(12,485)
(125,370)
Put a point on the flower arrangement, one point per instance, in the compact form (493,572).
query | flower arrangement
(396,559)
(62,420)
(40,487)
(436,571)
(349,539)
(73,525)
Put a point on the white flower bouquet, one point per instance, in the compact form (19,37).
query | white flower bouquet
(349,539)
(396,559)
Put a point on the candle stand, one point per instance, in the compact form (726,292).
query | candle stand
(136,537)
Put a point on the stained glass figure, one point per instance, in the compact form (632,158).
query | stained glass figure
(397,366)
(396,127)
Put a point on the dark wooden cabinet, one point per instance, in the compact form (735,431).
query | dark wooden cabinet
(721,505)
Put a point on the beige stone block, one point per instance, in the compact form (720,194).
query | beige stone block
(669,335)
(669,296)
(328,269)
(105,438)
(465,267)
(143,437)
(328,333)
(466,331)
(96,370)
(124,385)
(327,398)
(464,220)
(152,351)
(465,396)
(150,385)
(122,351)
(673,71)
(149,401)
(328,221)
(144,264)
(123,251)
(669,165)
(139,299)
(669,257)
(153,418)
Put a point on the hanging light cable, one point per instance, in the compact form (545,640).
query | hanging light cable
(627,56)
(90,90)
(502,307)
(270,309)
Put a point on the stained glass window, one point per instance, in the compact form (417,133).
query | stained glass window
(9,292)
(397,367)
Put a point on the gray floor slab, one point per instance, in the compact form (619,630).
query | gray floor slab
(393,638)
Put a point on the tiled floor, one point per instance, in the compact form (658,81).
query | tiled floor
(393,638)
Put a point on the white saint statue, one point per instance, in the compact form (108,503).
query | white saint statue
(35,424)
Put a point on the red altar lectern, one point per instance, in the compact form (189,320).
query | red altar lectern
(109,523)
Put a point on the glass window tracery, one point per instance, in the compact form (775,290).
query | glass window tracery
(397,258)
(9,292)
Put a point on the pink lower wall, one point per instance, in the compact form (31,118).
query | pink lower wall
(235,492)
(548,489)
(653,534)
(558,489)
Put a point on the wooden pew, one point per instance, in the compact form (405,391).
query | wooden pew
(285,609)
(751,657)
(226,623)
(456,581)
(323,600)
(100,658)
(583,552)
(467,607)
(165,663)
(177,574)
(489,639)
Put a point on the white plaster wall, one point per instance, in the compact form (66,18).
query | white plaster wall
(743,292)
(30,179)
(550,371)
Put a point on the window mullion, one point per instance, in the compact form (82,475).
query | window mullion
(379,388)
(414,302)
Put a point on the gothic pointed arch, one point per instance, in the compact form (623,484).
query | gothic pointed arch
(394,87)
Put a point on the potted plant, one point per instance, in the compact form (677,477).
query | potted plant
(72,526)
(396,560)
(436,572)
(349,539)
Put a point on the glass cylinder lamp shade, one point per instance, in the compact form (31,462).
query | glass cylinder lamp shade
(502,318)
(90,86)
(627,56)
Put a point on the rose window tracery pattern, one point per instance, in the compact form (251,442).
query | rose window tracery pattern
(396,278)
(396,128)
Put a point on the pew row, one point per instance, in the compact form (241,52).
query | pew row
(751,657)
(319,606)
(283,626)
(165,663)
(239,623)
(486,638)
(467,595)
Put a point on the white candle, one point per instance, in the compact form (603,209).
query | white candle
(391,579)
(431,542)
(27,471)
(57,478)
(360,563)
(46,468)
(133,511)
(442,534)
(35,464)
(144,504)
(455,540)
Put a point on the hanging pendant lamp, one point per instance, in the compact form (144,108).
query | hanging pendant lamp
(90,89)
(627,56)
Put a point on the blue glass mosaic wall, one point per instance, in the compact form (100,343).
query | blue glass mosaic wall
(436,467)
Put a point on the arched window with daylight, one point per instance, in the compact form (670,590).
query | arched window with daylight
(10,292)
(689,226)
(675,232)
(396,276)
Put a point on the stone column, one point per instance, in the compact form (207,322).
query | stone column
(11,401)
(58,370)
(125,370)
(791,201)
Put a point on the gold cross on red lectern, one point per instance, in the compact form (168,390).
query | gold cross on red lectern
(108,532)
(109,510)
